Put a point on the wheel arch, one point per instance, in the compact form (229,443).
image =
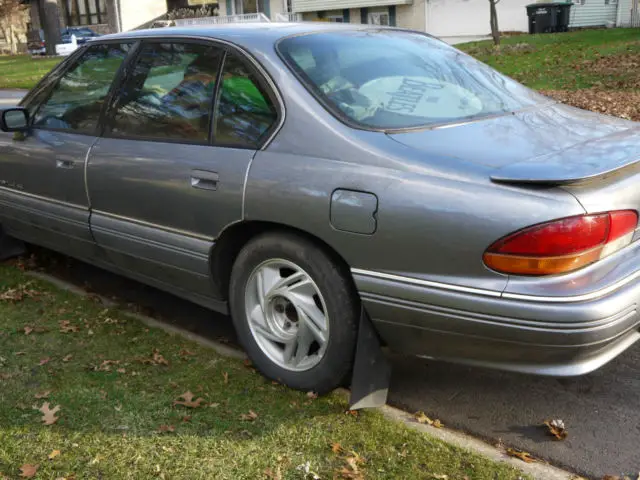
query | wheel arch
(233,239)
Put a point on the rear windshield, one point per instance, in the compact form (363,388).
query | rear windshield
(389,79)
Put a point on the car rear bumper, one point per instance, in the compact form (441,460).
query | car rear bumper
(559,338)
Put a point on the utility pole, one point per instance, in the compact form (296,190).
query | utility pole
(50,23)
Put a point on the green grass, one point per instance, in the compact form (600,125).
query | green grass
(565,61)
(113,401)
(22,71)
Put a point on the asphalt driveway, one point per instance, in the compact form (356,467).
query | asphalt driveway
(601,410)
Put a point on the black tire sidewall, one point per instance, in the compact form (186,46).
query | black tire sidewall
(341,301)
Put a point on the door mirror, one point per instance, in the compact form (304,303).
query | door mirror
(14,120)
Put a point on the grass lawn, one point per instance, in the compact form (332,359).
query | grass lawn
(22,71)
(116,384)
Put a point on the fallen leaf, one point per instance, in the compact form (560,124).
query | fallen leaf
(42,395)
(421,417)
(185,353)
(441,476)
(159,359)
(166,428)
(66,327)
(67,358)
(249,417)
(556,428)
(45,360)
(337,448)
(18,294)
(225,375)
(54,454)
(28,471)
(121,370)
(103,394)
(353,413)
(214,405)
(312,395)
(188,401)
(118,408)
(524,456)
(19,353)
(277,475)
(186,418)
(106,365)
(48,414)
(28,330)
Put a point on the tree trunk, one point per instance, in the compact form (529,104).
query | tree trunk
(495,31)
(50,22)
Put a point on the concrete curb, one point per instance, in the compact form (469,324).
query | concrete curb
(539,471)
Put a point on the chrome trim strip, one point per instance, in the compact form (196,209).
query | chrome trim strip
(86,173)
(506,295)
(44,199)
(425,283)
(153,225)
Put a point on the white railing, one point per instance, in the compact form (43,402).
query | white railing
(224,19)
(288,17)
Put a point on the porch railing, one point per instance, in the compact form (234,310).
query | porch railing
(288,17)
(224,19)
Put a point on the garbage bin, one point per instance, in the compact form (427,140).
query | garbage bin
(548,17)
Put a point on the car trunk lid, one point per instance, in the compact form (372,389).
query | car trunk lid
(554,144)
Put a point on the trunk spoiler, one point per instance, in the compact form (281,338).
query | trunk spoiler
(579,163)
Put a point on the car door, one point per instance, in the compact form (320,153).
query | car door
(168,176)
(42,173)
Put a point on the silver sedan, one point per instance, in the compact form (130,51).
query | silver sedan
(310,178)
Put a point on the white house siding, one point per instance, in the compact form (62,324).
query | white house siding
(138,12)
(448,18)
(593,13)
(411,16)
(624,17)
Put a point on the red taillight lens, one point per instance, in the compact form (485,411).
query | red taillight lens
(562,245)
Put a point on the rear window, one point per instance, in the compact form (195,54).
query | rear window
(389,79)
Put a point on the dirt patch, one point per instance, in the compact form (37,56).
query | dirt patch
(625,104)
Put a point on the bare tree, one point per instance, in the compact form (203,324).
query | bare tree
(12,22)
(495,31)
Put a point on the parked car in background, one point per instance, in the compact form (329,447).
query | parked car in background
(300,176)
(36,44)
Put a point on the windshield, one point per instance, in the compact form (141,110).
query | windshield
(389,79)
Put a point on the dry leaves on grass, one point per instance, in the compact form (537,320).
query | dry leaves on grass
(225,376)
(312,395)
(524,456)
(106,365)
(66,327)
(48,414)
(249,417)
(18,294)
(188,401)
(421,417)
(28,471)
(556,428)
(166,428)
(44,361)
(337,448)
(156,359)
(41,395)
(352,470)
(277,475)
(66,358)
(53,454)
(620,103)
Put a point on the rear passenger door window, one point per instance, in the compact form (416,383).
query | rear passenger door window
(76,102)
(169,93)
(245,112)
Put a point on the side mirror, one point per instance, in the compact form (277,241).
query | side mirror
(14,120)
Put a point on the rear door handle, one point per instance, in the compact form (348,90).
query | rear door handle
(65,163)
(204,179)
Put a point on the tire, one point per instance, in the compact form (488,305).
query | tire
(300,267)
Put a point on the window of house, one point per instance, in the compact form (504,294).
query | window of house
(169,93)
(378,18)
(244,111)
(243,7)
(86,12)
(77,100)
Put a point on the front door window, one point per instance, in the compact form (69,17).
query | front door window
(243,7)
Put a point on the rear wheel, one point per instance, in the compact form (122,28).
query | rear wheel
(295,311)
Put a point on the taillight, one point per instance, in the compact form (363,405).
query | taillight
(563,245)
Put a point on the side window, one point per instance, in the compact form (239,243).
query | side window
(76,101)
(169,93)
(244,110)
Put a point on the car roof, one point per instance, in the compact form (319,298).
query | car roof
(244,34)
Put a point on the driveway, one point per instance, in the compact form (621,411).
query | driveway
(601,410)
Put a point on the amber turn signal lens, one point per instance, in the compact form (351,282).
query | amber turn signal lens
(562,245)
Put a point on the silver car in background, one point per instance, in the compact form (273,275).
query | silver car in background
(299,176)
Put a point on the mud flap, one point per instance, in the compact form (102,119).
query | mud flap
(371,369)
(10,247)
